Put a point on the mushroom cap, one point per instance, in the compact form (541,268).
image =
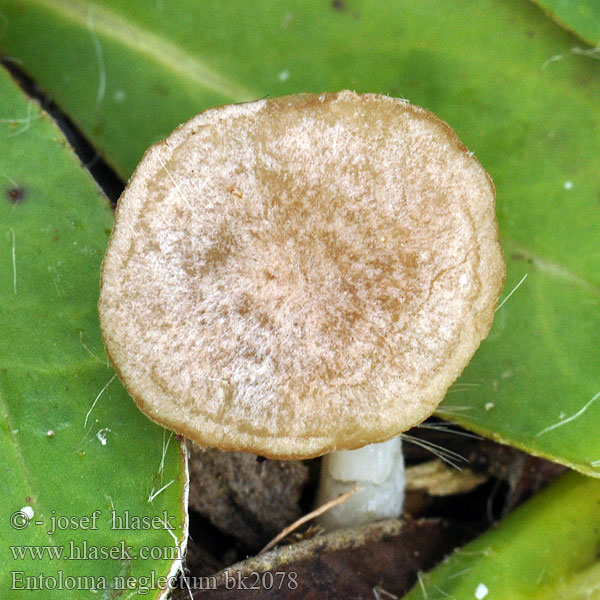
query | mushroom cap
(303,274)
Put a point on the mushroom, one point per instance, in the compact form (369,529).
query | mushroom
(295,276)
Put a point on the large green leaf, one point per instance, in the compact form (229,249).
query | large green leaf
(581,17)
(72,442)
(546,550)
(130,71)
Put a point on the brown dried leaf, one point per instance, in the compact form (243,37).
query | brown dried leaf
(348,563)
(439,479)
(245,497)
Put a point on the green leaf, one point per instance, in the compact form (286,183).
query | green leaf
(534,381)
(545,550)
(581,17)
(72,442)
(129,72)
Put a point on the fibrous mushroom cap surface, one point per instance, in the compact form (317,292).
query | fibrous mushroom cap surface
(296,275)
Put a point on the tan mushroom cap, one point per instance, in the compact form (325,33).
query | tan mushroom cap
(293,276)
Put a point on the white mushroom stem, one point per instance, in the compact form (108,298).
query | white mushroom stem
(378,469)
